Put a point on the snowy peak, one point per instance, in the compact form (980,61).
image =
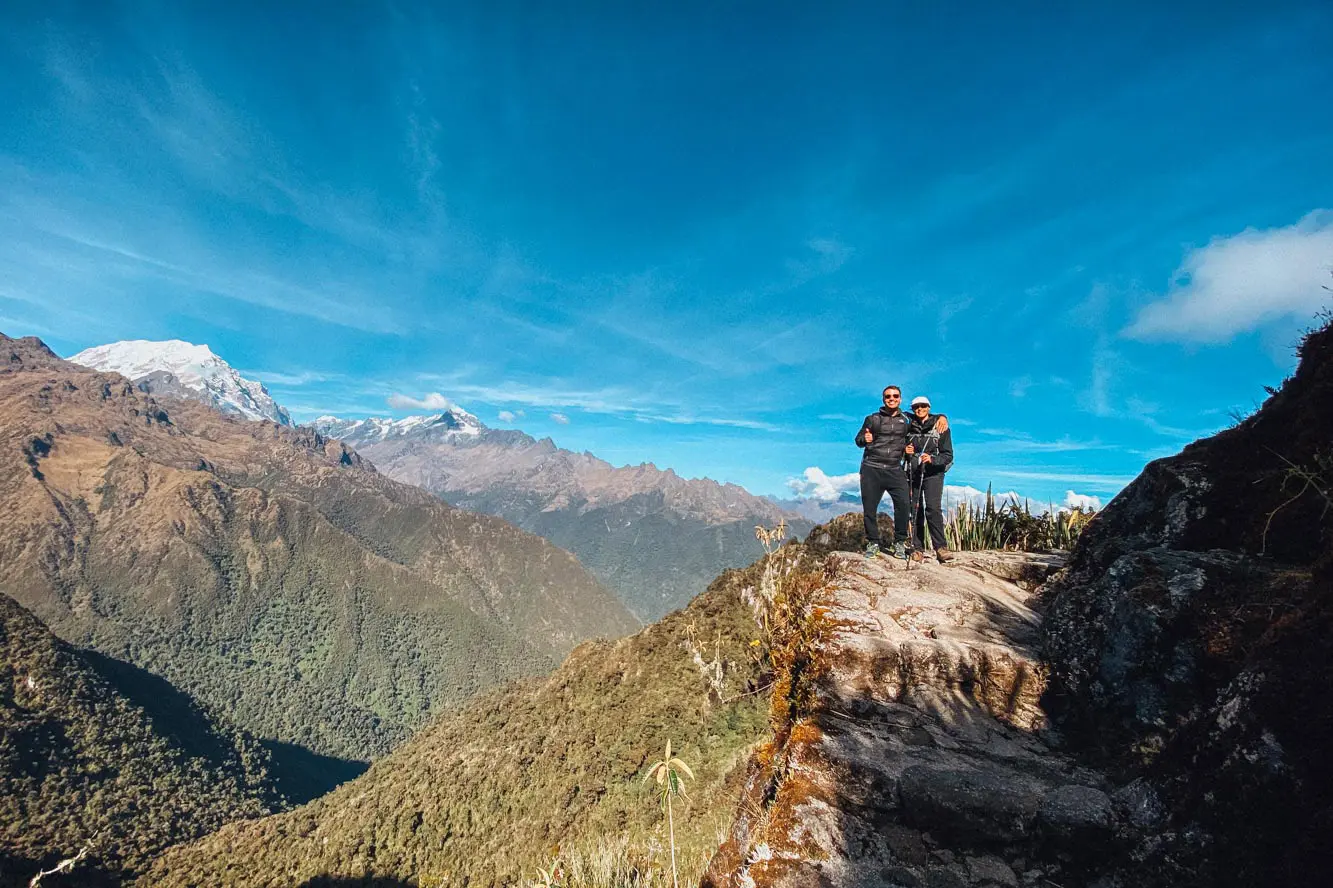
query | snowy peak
(183,368)
(359,432)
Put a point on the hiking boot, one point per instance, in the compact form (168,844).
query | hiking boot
(943,555)
(872,550)
(900,551)
(916,555)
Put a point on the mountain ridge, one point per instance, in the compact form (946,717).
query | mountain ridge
(248,561)
(653,536)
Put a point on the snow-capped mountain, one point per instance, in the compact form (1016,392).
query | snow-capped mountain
(360,432)
(181,368)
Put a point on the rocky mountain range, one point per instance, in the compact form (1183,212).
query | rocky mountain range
(654,537)
(267,571)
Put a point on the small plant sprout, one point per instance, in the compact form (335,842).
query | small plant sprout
(548,877)
(667,773)
(771,539)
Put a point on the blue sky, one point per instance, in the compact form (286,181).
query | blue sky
(688,234)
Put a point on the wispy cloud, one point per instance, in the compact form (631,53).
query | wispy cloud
(829,255)
(290,379)
(1236,284)
(560,418)
(1014,440)
(1066,477)
(1096,398)
(433,401)
(639,405)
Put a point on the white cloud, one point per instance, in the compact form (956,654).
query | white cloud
(506,416)
(817,485)
(560,418)
(1239,283)
(433,401)
(814,483)
(956,495)
(1080,501)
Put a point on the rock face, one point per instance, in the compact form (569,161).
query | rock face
(926,760)
(1191,637)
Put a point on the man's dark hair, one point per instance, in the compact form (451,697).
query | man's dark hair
(886,390)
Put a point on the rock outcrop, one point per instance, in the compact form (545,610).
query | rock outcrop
(926,759)
(1191,637)
(1155,714)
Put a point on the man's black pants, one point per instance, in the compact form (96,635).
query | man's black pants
(875,482)
(930,514)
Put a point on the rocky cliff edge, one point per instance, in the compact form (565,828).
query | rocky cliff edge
(1155,714)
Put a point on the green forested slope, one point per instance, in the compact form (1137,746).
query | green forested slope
(485,795)
(82,763)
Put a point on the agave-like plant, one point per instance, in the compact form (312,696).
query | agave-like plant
(667,773)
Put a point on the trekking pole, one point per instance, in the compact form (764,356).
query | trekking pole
(913,530)
(919,508)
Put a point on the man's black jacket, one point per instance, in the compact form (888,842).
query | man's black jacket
(888,430)
(924,438)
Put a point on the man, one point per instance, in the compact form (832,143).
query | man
(929,439)
(883,440)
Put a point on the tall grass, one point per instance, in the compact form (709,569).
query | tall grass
(621,863)
(1008,525)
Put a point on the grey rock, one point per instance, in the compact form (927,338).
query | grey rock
(991,870)
(945,877)
(987,804)
(1075,811)
(903,876)
(1139,805)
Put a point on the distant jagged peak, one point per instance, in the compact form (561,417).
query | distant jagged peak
(181,368)
(453,422)
(455,452)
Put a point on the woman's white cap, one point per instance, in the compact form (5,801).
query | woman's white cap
(919,400)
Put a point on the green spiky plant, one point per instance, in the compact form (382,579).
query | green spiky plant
(667,773)
(1004,523)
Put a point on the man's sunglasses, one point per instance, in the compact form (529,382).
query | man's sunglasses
(893,397)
